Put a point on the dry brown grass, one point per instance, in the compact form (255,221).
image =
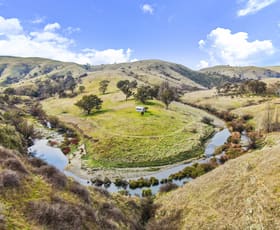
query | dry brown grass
(244,193)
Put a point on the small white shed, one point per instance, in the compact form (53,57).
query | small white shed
(140,109)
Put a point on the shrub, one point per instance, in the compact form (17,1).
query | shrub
(237,125)
(66,150)
(146,192)
(9,179)
(53,175)
(36,162)
(60,215)
(5,153)
(15,164)
(247,117)
(80,191)
(121,183)
(167,187)
(207,120)
(124,192)
(107,182)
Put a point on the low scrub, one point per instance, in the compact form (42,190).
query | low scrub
(53,175)
(36,162)
(80,191)
(167,187)
(15,165)
(195,170)
(143,182)
(61,215)
(9,179)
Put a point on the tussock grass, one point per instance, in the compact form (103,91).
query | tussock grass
(53,175)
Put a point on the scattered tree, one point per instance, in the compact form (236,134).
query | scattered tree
(167,94)
(103,85)
(90,102)
(82,88)
(127,87)
(70,83)
(143,93)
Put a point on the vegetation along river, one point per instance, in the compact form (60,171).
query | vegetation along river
(54,156)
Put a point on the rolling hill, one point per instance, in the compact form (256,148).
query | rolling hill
(15,69)
(246,72)
(25,70)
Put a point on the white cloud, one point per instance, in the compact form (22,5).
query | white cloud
(10,26)
(202,64)
(70,30)
(146,8)
(253,6)
(225,47)
(105,56)
(38,20)
(52,27)
(201,44)
(49,43)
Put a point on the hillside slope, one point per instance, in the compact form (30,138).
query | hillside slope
(34,195)
(246,72)
(242,194)
(16,69)
(156,71)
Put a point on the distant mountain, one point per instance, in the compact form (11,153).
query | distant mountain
(246,72)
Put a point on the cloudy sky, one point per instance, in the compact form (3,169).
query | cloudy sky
(196,33)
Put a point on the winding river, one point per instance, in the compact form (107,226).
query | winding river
(54,156)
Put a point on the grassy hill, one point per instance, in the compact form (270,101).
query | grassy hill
(34,195)
(156,71)
(14,69)
(246,72)
(242,194)
(122,137)
(27,70)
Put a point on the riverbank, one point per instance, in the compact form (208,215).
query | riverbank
(77,167)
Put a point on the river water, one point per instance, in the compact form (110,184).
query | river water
(54,156)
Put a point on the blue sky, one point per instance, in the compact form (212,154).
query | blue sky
(196,33)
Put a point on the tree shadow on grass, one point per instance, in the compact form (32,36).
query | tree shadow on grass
(98,112)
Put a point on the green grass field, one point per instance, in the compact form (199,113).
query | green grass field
(124,138)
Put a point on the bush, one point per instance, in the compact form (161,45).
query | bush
(207,120)
(53,175)
(66,150)
(80,191)
(167,187)
(9,179)
(15,164)
(5,154)
(36,162)
(60,215)
(247,117)
(121,183)
(146,192)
